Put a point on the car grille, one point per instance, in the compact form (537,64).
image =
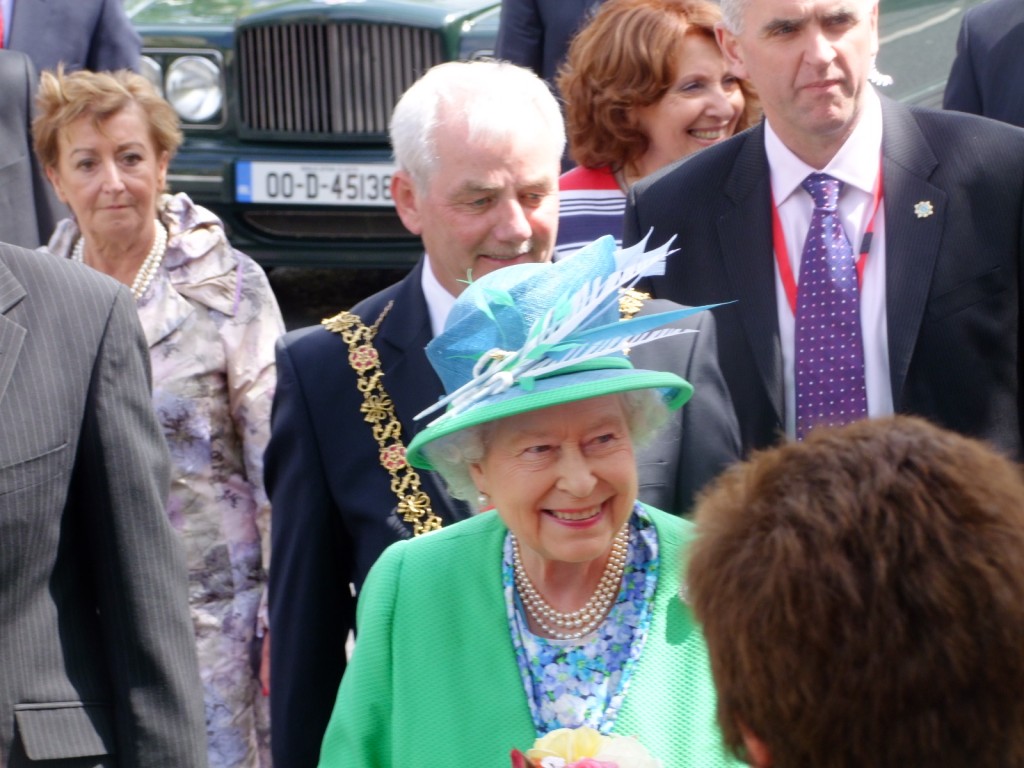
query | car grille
(328,80)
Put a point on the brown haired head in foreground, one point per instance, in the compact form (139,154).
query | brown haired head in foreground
(862,596)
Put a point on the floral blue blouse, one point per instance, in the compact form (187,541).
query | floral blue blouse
(573,683)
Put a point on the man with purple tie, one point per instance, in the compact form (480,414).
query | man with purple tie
(987,76)
(873,249)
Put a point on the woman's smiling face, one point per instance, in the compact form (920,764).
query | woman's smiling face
(563,479)
(701,109)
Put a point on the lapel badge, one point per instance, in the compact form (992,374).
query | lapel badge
(924,209)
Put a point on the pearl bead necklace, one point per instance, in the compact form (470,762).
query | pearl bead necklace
(574,624)
(148,269)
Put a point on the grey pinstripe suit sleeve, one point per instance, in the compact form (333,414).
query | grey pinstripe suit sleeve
(97,656)
(142,583)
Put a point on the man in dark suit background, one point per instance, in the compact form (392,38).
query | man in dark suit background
(939,298)
(29,211)
(480,186)
(80,34)
(536,33)
(987,76)
(97,659)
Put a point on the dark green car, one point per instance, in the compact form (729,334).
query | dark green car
(285,106)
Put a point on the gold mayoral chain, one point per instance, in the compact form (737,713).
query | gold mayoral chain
(631,301)
(379,412)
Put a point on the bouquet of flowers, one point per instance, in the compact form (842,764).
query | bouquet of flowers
(584,748)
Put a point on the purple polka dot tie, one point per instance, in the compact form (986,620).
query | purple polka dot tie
(829,349)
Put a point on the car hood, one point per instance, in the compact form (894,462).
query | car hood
(228,12)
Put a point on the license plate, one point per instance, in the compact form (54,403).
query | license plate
(313,184)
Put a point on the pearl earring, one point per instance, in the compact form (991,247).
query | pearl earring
(483,501)
(877,78)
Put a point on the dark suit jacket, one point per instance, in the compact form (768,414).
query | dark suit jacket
(334,511)
(536,33)
(987,77)
(29,210)
(97,657)
(953,279)
(83,34)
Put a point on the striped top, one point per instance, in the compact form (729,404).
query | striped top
(591,205)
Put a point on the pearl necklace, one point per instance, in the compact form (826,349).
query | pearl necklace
(148,269)
(574,624)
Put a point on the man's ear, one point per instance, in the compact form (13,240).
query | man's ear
(757,750)
(732,51)
(407,203)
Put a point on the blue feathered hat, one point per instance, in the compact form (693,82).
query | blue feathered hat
(531,336)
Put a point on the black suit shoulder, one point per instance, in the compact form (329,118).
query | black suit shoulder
(987,75)
(708,168)
(981,156)
(696,191)
(996,17)
(314,349)
(369,309)
(951,120)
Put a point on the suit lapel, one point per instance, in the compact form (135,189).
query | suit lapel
(409,378)
(745,233)
(12,335)
(911,242)
(26,16)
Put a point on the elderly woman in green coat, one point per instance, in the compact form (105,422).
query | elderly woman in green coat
(566,611)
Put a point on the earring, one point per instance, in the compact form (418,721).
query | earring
(483,501)
(877,78)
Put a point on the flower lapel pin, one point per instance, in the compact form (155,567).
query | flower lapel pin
(924,209)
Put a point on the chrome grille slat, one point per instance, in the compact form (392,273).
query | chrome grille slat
(279,104)
(323,87)
(328,80)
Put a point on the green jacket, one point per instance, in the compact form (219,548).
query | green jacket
(434,679)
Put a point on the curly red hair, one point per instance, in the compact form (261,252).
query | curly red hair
(624,58)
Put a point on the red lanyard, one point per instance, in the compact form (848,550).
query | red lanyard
(782,255)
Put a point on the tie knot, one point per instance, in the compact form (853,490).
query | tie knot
(824,189)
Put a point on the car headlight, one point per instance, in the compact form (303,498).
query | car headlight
(150,69)
(193,88)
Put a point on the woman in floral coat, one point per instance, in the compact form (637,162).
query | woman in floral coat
(211,321)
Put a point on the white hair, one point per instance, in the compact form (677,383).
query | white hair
(492,99)
(451,455)
(732,14)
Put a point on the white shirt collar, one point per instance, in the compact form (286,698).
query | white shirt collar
(788,170)
(439,301)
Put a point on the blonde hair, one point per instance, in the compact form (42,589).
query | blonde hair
(64,98)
